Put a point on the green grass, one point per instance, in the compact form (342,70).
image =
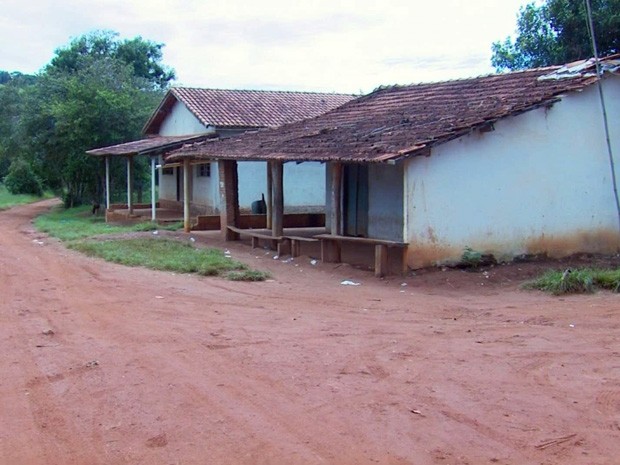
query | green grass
(77,225)
(578,281)
(168,255)
(8,200)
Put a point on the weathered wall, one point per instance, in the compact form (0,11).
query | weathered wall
(303,183)
(540,182)
(385,202)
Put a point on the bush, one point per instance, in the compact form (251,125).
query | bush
(21,179)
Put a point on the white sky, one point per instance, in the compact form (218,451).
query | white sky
(315,45)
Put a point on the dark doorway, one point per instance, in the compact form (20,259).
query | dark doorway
(355,200)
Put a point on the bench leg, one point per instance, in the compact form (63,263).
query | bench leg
(254,242)
(330,251)
(405,267)
(381,260)
(284,247)
(295,248)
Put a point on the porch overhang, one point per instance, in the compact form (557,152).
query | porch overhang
(149,146)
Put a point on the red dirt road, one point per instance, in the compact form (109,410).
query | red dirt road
(103,364)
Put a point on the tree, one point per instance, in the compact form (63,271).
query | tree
(556,32)
(144,56)
(98,91)
(13,90)
(101,103)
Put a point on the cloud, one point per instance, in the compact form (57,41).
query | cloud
(329,45)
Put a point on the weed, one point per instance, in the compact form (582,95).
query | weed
(578,281)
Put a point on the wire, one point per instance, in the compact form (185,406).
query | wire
(602,97)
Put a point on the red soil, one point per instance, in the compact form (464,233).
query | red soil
(103,364)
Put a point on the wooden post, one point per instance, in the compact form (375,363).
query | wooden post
(333,253)
(229,198)
(153,201)
(269,202)
(381,260)
(336,199)
(107,182)
(277,215)
(187,172)
(130,184)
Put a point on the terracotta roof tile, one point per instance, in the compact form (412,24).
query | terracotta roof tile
(246,108)
(148,145)
(400,121)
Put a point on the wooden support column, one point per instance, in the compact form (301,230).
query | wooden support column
(187,172)
(277,215)
(335,222)
(269,200)
(333,252)
(107,183)
(153,201)
(229,198)
(381,260)
(130,184)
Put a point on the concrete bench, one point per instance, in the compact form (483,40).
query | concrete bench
(330,250)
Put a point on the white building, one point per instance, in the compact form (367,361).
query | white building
(190,111)
(506,164)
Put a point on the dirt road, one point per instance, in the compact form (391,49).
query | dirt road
(103,364)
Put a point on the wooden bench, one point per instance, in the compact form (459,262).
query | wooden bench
(330,250)
(256,236)
(295,243)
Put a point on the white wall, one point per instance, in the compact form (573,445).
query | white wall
(304,183)
(181,122)
(540,182)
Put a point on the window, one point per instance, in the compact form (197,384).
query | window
(204,171)
(167,171)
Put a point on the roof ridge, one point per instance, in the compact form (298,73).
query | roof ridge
(264,91)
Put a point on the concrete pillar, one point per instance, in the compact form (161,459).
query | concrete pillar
(153,200)
(130,184)
(107,182)
(187,172)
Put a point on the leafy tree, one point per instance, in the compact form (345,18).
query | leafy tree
(13,92)
(22,179)
(556,32)
(100,103)
(144,56)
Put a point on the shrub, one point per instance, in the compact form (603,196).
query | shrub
(21,179)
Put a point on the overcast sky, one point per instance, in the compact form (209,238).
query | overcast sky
(314,45)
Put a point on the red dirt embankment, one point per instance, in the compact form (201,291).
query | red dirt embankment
(103,364)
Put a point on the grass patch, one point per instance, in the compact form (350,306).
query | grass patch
(77,225)
(578,281)
(168,255)
(68,224)
(8,200)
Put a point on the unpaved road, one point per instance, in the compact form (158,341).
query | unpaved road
(102,364)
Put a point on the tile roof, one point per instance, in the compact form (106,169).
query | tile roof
(245,108)
(399,121)
(148,145)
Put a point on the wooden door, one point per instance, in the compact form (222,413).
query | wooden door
(355,200)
